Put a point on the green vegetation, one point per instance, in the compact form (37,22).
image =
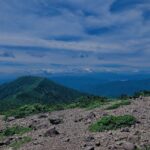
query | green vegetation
(112,123)
(91,102)
(141,93)
(146,148)
(124,97)
(27,110)
(87,102)
(31,90)
(17,144)
(1,136)
(135,95)
(118,104)
(14,130)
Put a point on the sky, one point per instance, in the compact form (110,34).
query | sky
(74,36)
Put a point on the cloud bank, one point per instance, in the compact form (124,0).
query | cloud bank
(74,35)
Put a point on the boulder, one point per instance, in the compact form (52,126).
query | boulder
(6,142)
(42,116)
(67,140)
(78,119)
(51,132)
(90,116)
(125,130)
(11,119)
(97,143)
(129,146)
(55,121)
(89,138)
(90,148)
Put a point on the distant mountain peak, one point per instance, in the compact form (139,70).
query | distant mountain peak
(33,89)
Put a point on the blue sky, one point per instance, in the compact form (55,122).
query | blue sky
(71,36)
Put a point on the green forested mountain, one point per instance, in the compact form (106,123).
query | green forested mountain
(29,90)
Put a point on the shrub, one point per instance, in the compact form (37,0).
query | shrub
(124,97)
(84,102)
(112,123)
(118,104)
(141,93)
(91,102)
(17,144)
(14,130)
(146,147)
(27,110)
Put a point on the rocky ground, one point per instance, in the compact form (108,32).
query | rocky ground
(68,129)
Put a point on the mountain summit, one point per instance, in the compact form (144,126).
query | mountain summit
(30,89)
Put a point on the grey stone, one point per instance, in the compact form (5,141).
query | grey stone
(55,121)
(89,138)
(90,148)
(97,143)
(90,116)
(51,132)
(125,130)
(42,116)
(11,119)
(129,146)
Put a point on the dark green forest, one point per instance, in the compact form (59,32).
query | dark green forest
(31,90)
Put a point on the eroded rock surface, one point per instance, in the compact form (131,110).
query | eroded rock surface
(72,133)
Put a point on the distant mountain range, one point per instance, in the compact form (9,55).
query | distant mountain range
(103,86)
(28,90)
(117,88)
(52,89)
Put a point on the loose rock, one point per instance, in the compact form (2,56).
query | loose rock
(55,121)
(129,146)
(11,119)
(51,132)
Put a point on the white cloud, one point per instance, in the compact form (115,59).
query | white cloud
(34,23)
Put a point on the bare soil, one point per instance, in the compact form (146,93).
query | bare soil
(74,133)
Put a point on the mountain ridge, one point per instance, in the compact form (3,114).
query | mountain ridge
(32,89)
